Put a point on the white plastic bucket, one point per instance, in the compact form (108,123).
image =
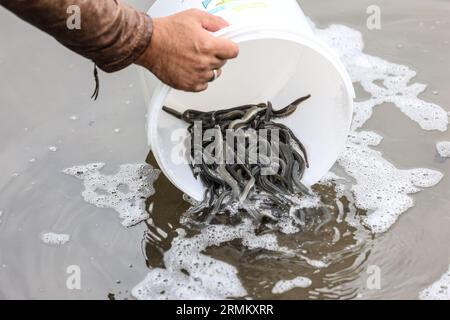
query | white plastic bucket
(280,60)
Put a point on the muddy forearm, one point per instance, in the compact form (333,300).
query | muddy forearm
(111,34)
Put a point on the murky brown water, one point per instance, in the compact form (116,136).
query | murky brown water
(44,95)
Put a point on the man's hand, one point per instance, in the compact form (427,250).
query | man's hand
(182,52)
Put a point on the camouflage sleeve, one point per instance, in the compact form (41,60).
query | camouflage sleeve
(108,32)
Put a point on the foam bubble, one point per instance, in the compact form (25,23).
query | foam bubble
(125,192)
(386,82)
(443,148)
(330,177)
(55,238)
(283,286)
(440,290)
(287,226)
(380,187)
(319,264)
(189,274)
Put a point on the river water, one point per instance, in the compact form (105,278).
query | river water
(384,242)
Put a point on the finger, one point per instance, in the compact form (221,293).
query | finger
(217,63)
(212,75)
(213,23)
(205,77)
(225,49)
(200,87)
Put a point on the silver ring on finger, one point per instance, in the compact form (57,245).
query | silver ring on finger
(216,74)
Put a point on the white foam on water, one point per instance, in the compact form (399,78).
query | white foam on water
(287,226)
(318,264)
(107,191)
(55,238)
(1,213)
(189,274)
(330,177)
(380,187)
(283,286)
(440,290)
(443,148)
(369,71)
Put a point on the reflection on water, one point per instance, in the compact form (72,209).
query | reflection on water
(332,258)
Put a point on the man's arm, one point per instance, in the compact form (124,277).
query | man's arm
(179,49)
(112,34)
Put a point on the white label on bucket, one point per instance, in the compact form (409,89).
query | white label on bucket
(215,6)
(252,12)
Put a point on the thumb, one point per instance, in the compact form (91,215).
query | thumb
(213,23)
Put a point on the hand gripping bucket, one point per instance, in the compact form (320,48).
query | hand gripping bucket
(280,60)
